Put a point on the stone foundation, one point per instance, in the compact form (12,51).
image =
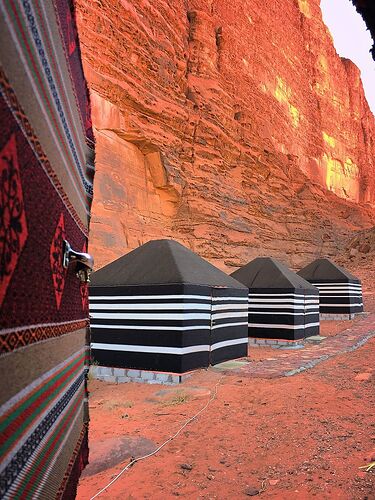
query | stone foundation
(254,342)
(124,375)
(335,317)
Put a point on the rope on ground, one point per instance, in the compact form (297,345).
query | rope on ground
(368,467)
(138,459)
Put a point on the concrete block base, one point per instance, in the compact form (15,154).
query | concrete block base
(124,375)
(335,317)
(254,342)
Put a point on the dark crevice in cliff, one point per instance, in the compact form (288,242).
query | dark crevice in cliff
(219,43)
(192,16)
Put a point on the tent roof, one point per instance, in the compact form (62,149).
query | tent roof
(162,262)
(266,272)
(325,269)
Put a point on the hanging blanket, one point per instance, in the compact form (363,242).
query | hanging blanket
(46,174)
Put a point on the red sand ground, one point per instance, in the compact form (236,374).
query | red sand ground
(299,437)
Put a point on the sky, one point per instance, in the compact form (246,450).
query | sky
(352,40)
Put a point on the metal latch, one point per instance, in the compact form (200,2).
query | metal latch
(84,262)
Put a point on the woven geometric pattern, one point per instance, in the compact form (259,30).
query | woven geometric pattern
(46,176)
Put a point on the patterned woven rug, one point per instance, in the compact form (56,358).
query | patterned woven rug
(46,175)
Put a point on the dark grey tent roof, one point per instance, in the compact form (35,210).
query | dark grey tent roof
(161,262)
(325,269)
(266,272)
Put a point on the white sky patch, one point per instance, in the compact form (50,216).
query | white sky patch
(352,40)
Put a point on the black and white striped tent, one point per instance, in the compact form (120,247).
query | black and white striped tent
(162,307)
(340,292)
(282,305)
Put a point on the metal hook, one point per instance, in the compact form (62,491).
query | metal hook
(84,261)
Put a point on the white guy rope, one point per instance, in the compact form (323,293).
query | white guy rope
(191,419)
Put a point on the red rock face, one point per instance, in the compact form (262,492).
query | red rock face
(232,127)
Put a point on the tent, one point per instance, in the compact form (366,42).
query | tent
(282,305)
(340,292)
(162,307)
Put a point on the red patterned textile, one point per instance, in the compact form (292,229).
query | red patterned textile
(46,186)
(39,224)
(13,228)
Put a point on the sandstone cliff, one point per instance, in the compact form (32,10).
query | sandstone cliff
(233,127)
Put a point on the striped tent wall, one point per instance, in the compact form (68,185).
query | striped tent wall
(229,336)
(173,328)
(339,297)
(283,314)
